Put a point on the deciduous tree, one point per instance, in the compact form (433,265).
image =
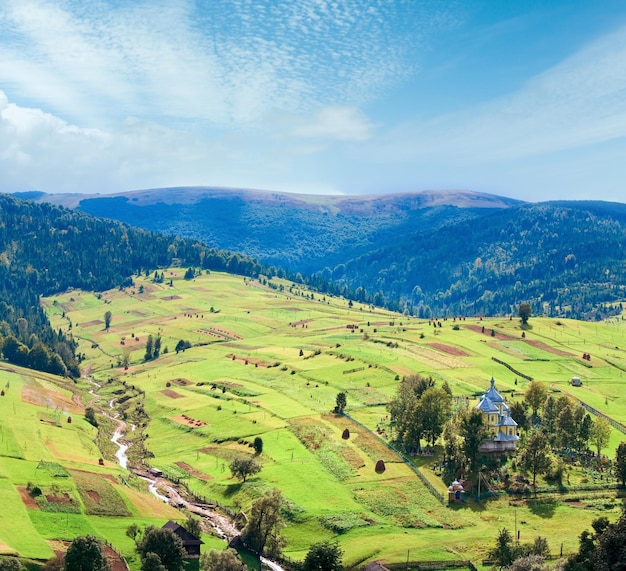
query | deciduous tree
(262,533)
(90,416)
(519,413)
(605,549)
(244,466)
(166,545)
(473,431)
(225,560)
(10,564)
(134,532)
(524,312)
(152,562)
(535,396)
(620,463)
(405,411)
(600,433)
(341,402)
(535,456)
(324,556)
(86,553)
(257,444)
(435,406)
(192,525)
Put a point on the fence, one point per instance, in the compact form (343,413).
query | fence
(617,425)
(431,565)
(118,553)
(518,373)
(405,459)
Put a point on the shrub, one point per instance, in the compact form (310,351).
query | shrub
(35,491)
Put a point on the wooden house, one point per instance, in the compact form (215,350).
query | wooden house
(190,542)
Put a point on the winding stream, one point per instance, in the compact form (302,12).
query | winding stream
(122,459)
(224,528)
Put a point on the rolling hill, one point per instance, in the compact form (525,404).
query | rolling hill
(302,233)
(428,253)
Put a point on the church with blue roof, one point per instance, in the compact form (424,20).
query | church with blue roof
(497,418)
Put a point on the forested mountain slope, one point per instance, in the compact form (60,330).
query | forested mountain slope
(302,233)
(563,258)
(45,249)
(431,253)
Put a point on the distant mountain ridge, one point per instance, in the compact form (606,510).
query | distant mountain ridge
(303,233)
(429,253)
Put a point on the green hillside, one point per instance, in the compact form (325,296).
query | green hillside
(427,253)
(267,359)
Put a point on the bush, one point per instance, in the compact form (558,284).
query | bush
(35,491)
(90,416)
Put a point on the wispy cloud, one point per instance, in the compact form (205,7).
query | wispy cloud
(232,62)
(336,123)
(577,103)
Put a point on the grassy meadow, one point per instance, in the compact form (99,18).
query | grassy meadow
(269,362)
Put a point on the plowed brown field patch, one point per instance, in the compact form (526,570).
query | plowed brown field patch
(547,348)
(193,471)
(27,499)
(188,421)
(450,350)
(172,394)
(487,333)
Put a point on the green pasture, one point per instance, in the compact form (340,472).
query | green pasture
(248,338)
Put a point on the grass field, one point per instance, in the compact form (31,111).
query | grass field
(269,362)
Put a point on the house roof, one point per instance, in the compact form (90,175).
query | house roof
(180,531)
(487,405)
(501,437)
(493,394)
(507,421)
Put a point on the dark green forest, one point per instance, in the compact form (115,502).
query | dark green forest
(297,232)
(565,260)
(46,249)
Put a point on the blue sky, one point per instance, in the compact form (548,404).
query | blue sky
(522,98)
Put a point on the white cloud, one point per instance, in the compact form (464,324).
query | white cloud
(230,62)
(41,151)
